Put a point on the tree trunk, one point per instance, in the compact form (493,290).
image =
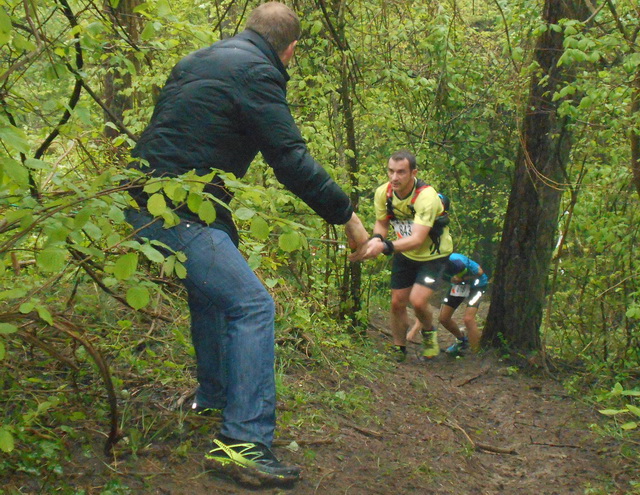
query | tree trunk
(524,256)
(635,136)
(127,24)
(350,293)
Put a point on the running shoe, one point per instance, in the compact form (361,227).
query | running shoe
(205,411)
(459,347)
(430,343)
(398,353)
(250,463)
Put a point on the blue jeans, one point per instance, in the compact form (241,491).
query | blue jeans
(232,327)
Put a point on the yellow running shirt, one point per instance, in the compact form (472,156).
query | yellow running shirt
(427,208)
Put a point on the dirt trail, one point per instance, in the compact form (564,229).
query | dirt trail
(470,425)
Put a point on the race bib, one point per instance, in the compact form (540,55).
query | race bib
(460,290)
(403,228)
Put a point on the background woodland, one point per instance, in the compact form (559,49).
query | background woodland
(525,113)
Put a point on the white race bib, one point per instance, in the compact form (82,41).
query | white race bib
(460,290)
(403,228)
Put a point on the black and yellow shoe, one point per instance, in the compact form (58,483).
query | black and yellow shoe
(397,353)
(250,463)
(205,411)
(430,345)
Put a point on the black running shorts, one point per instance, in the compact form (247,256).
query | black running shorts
(406,272)
(473,299)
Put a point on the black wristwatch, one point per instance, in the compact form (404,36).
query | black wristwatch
(388,248)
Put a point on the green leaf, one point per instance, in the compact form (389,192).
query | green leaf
(151,253)
(153,187)
(633,312)
(27,307)
(15,138)
(260,228)
(207,212)
(634,409)
(36,164)
(617,389)
(164,9)
(7,328)
(15,171)
(157,205)
(169,264)
(289,241)
(138,297)
(633,393)
(51,259)
(6,438)
(175,191)
(181,271)
(317,26)
(12,294)
(149,32)
(194,200)
(125,266)
(632,425)
(254,261)
(244,213)
(612,412)
(44,314)
(2,351)
(5,27)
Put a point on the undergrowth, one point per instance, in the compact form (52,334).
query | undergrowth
(57,413)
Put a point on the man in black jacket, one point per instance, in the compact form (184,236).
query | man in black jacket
(221,106)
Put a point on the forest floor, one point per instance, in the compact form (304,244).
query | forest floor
(469,425)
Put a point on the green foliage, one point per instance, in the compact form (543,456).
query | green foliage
(446,80)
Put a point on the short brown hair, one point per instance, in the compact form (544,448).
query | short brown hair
(401,155)
(277,23)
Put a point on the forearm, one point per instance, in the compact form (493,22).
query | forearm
(381,228)
(407,244)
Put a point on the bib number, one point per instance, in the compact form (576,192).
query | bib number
(460,290)
(403,228)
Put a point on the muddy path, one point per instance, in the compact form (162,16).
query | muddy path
(471,425)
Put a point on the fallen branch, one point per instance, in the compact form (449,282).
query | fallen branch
(472,378)
(558,445)
(478,445)
(360,429)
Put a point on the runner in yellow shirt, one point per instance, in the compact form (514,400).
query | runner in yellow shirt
(412,208)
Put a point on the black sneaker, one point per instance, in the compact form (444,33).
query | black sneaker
(205,411)
(398,353)
(250,463)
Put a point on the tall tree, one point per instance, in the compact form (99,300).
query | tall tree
(125,25)
(350,296)
(528,236)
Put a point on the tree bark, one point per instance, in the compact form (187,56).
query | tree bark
(635,136)
(525,251)
(350,293)
(127,24)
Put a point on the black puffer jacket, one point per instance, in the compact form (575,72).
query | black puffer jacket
(220,106)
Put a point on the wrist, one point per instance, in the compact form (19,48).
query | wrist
(377,236)
(388,248)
